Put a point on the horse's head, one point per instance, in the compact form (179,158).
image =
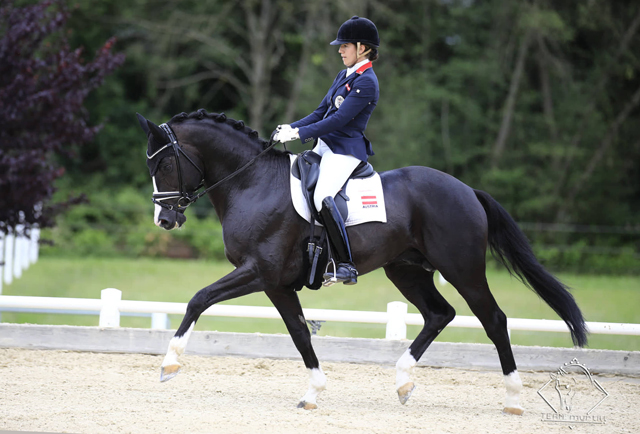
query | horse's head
(176,175)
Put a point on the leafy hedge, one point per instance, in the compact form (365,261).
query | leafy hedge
(579,258)
(121,224)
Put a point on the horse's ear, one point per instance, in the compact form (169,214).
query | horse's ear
(143,123)
(158,134)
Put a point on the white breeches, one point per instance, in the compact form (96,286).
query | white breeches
(335,169)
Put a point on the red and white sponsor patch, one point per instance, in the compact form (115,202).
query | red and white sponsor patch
(369,199)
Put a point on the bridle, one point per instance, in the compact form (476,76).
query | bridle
(184,198)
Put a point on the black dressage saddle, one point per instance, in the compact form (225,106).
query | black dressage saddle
(306,168)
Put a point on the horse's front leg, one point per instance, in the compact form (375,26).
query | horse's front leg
(241,281)
(288,304)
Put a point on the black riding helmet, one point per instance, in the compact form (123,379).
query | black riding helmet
(357,29)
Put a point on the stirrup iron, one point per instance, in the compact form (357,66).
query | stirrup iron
(331,280)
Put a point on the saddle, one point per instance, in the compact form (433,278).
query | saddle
(306,168)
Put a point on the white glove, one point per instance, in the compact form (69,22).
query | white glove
(284,133)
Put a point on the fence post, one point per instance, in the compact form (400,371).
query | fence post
(1,265)
(396,325)
(9,240)
(24,256)
(18,252)
(109,313)
(1,261)
(159,321)
(34,246)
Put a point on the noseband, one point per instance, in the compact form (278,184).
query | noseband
(184,198)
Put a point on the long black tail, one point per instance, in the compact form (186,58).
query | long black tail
(510,246)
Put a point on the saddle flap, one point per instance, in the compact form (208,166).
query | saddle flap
(312,177)
(303,162)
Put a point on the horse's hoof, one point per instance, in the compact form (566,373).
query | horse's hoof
(307,405)
(404,392)
(513,410)
(168,372)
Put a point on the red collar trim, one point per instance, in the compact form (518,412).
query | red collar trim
(364,67)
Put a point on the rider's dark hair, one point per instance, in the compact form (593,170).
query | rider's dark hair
(373,54)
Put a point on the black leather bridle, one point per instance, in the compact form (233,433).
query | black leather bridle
(184,198)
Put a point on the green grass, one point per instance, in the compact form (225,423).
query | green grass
(601,298)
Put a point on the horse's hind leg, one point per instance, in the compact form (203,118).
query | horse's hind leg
(416,284)
(474,289)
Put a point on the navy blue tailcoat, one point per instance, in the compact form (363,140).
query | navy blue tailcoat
(343,114)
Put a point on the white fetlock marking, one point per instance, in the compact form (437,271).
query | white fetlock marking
(177,347)
(404,366)
(514,386)
(317,383)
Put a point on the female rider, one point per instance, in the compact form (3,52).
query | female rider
(338,124)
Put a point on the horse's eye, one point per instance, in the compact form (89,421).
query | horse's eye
(166,168)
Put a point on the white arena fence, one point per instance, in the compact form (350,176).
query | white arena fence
(17,253)
(111,306)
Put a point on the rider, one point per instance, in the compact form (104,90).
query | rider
(338,124)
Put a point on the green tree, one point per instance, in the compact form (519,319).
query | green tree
(535,102)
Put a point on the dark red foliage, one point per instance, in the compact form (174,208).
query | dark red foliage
(43,84)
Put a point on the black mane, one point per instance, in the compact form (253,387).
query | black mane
(221,118)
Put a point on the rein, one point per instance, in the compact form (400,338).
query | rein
(182,196)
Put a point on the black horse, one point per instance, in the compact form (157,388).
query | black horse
(435,222)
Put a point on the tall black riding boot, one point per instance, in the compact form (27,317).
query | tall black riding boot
(344,271)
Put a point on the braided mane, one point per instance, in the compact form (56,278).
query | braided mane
(221,118)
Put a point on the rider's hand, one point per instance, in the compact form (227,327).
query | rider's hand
(284,133)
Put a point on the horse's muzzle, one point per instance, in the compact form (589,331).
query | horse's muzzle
(169,219)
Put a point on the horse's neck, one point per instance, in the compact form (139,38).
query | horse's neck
(243,195)
(239,191)
(224,158)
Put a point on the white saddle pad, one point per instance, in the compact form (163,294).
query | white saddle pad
(365,204)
